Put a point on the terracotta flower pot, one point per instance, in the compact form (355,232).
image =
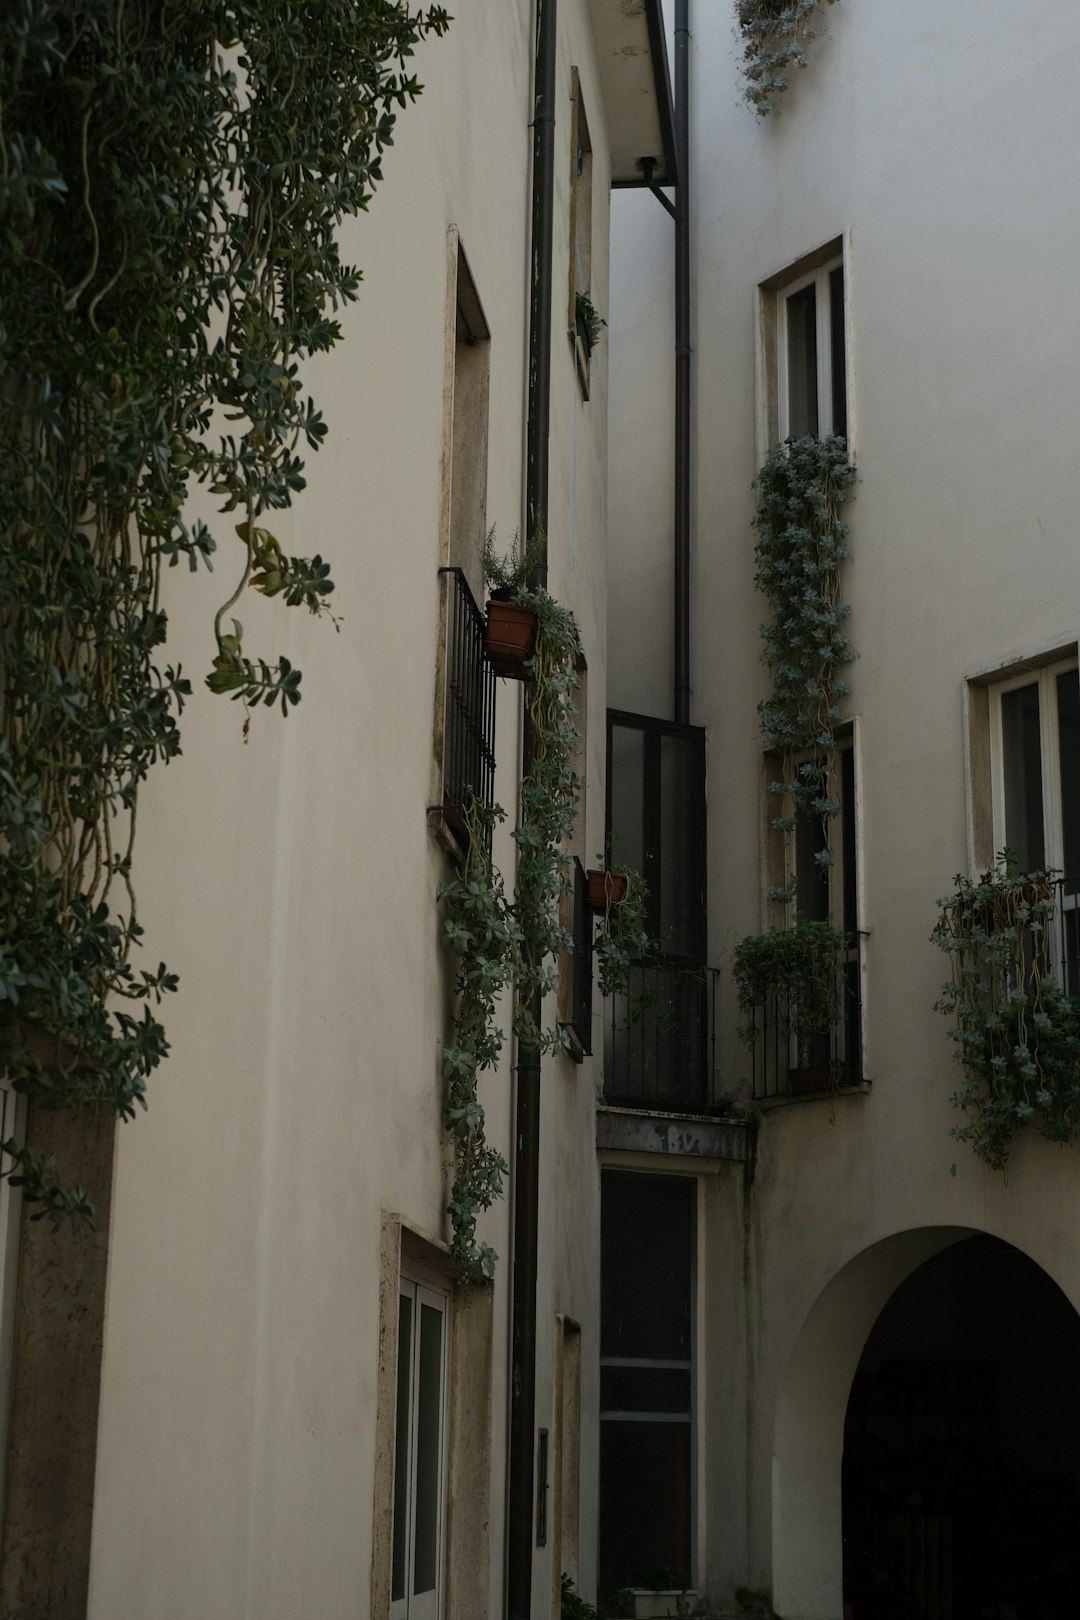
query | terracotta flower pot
(509,638)
(605,888)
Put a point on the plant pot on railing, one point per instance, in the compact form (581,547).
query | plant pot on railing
(604,889)
(509,635)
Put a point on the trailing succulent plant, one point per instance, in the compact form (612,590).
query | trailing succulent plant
(775,34)
(801,547)
(1017,1033)
(173,177)
(802,967)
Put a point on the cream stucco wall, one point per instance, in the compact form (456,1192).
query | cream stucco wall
(938,141)
(291,881)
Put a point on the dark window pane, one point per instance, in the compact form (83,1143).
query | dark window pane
(627,789)
(811,878)
(647,1247)
(645,1502)
(428,1430)
(802,384)
(848,811)
(1021,745)
(401,1445)
(838,350)
(645,1389)
(1068,707)
(681,899)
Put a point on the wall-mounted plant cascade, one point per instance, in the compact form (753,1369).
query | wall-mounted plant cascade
(775,34)
(172,179)
(516,943)
(480,927)
(797,970)
(801,545)
(1017,1033)
(550,795)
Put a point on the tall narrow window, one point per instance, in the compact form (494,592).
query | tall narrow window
(647,1254)
(1035,766)
(805,359)
(656,1038)
(812,391)
(464,729)
(580,227)
(419,1454)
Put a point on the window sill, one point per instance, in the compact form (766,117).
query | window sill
(858,1088)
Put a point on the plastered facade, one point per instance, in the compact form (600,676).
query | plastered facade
(934,141)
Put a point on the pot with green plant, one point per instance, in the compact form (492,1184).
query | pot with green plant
(589,323)
(622,939)
(511,623)
(1017,1032)
(789,984)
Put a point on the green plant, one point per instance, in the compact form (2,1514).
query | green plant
(622,939)
(623,1600)
(774,37)
(801,546)
(1017,1034)
(798,970)
(572,1606)
(172,180)
(503,943)
(549,802)
(480,927)
(590,322)
(512,569)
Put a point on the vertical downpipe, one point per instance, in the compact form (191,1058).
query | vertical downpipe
(682,366)
(527,1113)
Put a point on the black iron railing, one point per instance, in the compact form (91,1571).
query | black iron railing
(469,734)
(1065,934)
(578,1006)
(657,1040)
(790,1059)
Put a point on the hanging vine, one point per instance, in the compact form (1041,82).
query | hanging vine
(801,546)
(172,180)
(1017,1033)
(775,35)
(515,945)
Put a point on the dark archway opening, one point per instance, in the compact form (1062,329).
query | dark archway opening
(961,1476)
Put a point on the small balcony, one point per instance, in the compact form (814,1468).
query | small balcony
(800,1052)
(468,752)
(658,1040)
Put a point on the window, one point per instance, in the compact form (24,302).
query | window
(788,1058)
(580,226)
(1035,780)
(12,1124)
(804,331)
(647,1255)
(576,965)
(419,1452)
(656,1051)
(464,729)
(1035,759)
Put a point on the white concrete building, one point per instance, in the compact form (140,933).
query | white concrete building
(761,1328)
(874,1430)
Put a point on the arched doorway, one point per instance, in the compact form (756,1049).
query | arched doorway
(961,1471)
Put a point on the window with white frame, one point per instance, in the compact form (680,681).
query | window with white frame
(811,353)
(416,1583)
(1035,769)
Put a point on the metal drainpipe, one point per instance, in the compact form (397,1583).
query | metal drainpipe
(682,365)
(527,1122)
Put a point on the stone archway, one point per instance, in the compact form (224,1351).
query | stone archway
(808,1437)
(851,1316)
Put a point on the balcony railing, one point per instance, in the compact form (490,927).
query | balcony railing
(1064,930)
(657,1040)
(469,735)
(788,1059)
